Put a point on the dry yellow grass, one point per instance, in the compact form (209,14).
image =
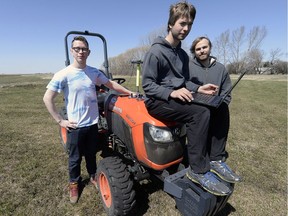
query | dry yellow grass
(33,166)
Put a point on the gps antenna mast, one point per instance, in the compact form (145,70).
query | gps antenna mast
(138,69)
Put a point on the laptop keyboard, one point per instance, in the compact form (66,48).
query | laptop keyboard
(202,97)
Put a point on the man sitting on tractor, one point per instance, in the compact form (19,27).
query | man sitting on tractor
(168,90)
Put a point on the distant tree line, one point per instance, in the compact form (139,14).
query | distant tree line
(236,49)
(239,50)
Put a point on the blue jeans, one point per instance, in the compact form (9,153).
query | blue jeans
(82,142)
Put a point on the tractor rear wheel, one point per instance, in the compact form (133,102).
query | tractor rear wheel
(115,186)
(63,131)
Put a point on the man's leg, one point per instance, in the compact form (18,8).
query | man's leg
(91,149)
(219,128)
(74,163)
(196,119)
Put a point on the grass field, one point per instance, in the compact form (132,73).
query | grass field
(33,165)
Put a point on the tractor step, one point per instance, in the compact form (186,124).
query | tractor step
(190,198)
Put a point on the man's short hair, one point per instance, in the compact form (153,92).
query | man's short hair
(80,38)
(180,9)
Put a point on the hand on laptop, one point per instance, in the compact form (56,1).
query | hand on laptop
(209,88)
(183,94)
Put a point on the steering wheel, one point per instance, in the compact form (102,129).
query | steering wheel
(119,80)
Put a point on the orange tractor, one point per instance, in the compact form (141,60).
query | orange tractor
(141,147)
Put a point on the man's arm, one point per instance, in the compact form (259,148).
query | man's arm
(117,87)
(48,99)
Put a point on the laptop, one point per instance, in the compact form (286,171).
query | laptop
(214,100)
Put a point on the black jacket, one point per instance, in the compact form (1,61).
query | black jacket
(165,69)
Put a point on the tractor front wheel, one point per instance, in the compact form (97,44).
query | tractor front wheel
(115,186)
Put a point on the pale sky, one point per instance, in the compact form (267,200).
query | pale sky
(32,32)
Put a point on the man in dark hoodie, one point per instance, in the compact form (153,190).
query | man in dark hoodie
(168,89)
(205,69)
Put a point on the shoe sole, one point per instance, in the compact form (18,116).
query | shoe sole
(212,192)
(223,178)
(73,201)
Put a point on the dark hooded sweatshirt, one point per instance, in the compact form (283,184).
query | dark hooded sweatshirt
(215,73)
(165,69)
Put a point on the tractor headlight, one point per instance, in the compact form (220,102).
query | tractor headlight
(160,134)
